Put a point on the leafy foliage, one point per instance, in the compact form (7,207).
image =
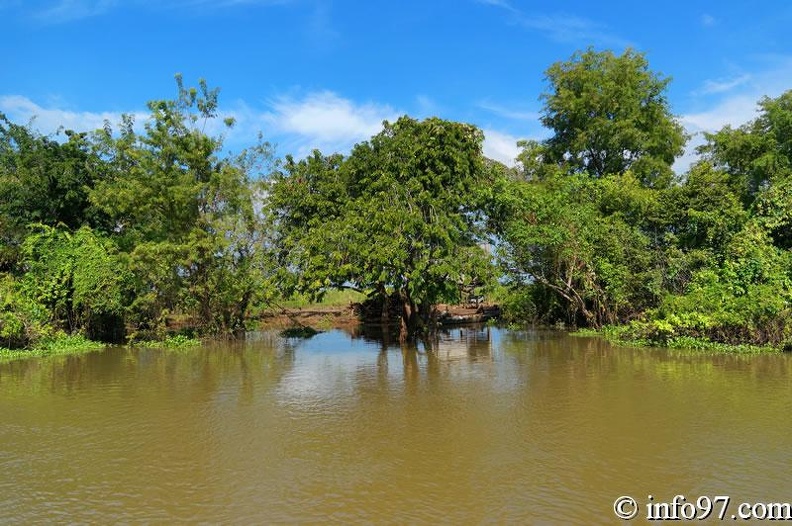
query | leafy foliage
(596,222)
(186,216)
(399,215)
(609,114)
(138,230)
(22,319)
(81,279)
(43,181)
(561,236)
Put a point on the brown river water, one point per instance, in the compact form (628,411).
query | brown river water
(491,426)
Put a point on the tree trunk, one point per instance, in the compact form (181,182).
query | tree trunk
(385,306)
(410,321)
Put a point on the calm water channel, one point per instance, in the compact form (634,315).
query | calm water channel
(492,426)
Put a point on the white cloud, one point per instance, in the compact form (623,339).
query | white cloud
(501,147)
(561,27)
(326,121)
(733,102)
(509,113)
(708,20)
(426,106)
(321,120)
(63,11)
(68,10)
(733,111)
(48,120)
(503,4)
(723,85)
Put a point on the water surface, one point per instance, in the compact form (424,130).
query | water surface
(490,426)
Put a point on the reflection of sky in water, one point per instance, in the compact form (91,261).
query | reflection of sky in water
(325,366)
(332,365)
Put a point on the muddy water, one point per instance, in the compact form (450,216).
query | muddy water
(489,426)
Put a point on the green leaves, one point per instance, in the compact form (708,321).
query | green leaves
(81,278)
(397,215)
(609,114)
(581,239)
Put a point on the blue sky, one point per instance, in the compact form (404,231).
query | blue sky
(323,73)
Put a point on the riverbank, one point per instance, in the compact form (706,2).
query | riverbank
(347,317)
(616,336)
(77,344)
(61,345)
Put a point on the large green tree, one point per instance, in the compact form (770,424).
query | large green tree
(43,180)
(185,212)
(732,223)
(581,221)
(578,243)
(757,157)
(609,114)
(399,217)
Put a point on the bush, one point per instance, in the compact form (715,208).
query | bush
(80,278)
(22,320)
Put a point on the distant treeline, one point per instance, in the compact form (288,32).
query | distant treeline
(120,232)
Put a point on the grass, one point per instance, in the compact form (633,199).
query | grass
(615,335)
(65,344)
(59,345)
(178,341)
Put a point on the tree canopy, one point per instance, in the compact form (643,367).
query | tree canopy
(609,114)
(398,216)
(129,231)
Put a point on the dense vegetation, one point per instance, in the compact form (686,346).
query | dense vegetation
(597,230)
(123,232)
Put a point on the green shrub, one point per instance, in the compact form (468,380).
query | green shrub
(22,320)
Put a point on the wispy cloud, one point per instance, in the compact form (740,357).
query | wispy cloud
(426,105)
(297,125)
(508,112)
(561,27)
(503,4)
(326,121)
(708,20)
(723,85)
(321,120)
(733,111)
(49,120)
(64,11)
(734,101)
(68,10)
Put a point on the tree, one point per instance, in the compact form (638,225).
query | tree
(758,160)
(43,180)
(184,213)
(397,218)
(80,277)
(582,223)
(574,238)
(609,114)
